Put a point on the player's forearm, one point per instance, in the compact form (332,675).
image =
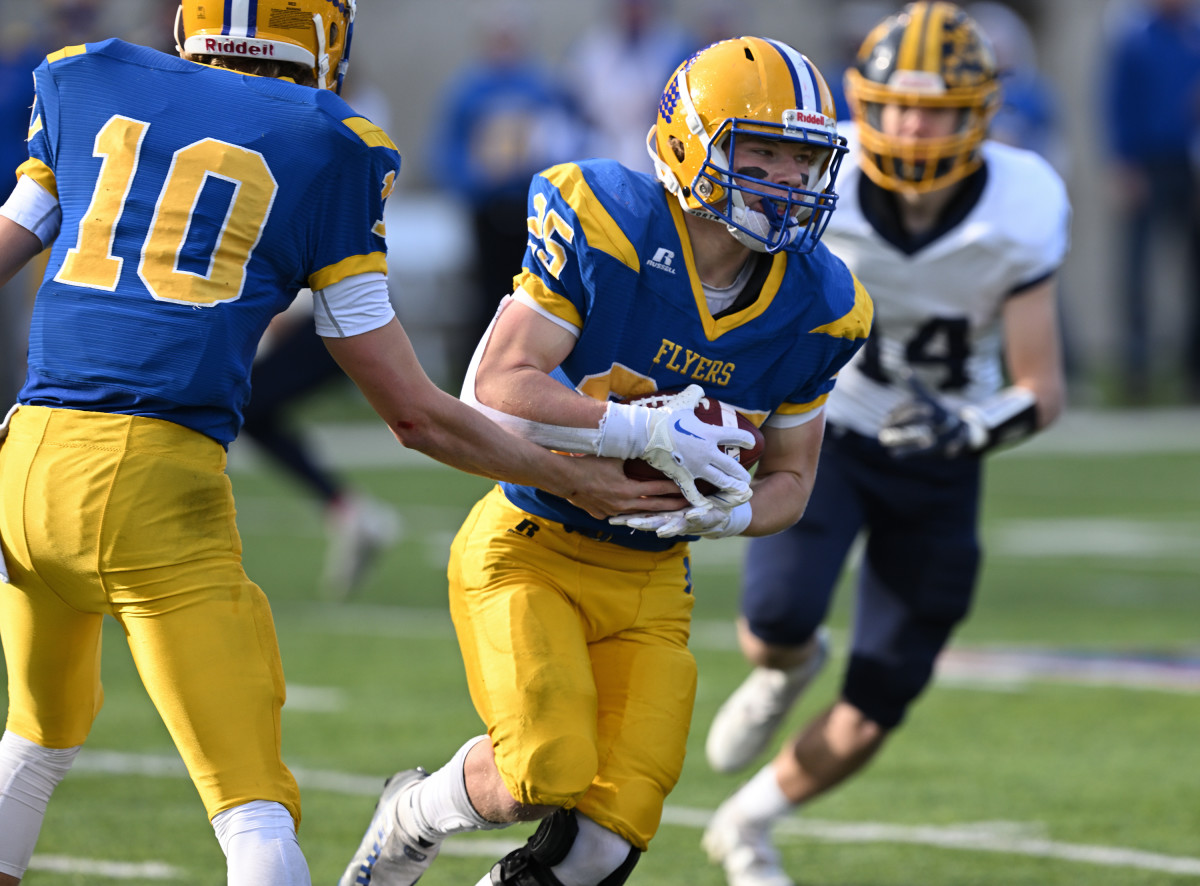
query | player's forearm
(1051,397)
(453,433)
(425,418)
(779,501)
(1033,354)
(534,396)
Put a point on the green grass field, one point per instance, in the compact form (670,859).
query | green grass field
(1058,747)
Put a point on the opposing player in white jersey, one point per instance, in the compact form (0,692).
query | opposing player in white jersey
(958,240)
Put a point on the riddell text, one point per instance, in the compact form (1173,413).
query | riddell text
(236,47)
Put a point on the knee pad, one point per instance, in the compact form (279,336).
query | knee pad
(884,693)
(549,847)
(558,770)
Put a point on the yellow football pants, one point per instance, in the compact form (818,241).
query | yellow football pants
(134,517)
(577,661)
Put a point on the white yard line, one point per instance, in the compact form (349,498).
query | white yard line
(1014,838)
(113,870)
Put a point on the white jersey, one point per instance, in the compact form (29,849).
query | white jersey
(938,311)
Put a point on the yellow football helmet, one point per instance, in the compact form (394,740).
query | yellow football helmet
(930,54)
(748,86)
(313,33)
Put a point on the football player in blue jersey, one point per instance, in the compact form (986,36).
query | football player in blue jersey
(187,201)
(707,279)
(958,240)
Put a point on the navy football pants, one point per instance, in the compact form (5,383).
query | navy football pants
(916,581)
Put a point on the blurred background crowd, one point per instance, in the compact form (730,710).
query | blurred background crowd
(479,94)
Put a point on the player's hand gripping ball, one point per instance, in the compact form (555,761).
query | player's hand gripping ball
(710,411)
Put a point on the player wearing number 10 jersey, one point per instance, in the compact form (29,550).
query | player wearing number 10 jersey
(188,200)
(166,219)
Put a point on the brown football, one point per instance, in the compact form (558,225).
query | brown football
(710,411)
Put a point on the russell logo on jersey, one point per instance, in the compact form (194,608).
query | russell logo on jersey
(662,260)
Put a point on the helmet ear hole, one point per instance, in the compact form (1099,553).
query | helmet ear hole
(677,148)
(333,34)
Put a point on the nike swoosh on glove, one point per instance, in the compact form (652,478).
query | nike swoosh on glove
(673,439)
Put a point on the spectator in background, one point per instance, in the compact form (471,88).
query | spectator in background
(616,71)
(1152,119)
(504,118)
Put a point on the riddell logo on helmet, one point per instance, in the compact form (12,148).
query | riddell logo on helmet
(237,47)
(801,118)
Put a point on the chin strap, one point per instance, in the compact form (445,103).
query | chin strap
(757,223)
(322,66)
(178,30)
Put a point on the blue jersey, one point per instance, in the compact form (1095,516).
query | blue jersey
(609,257)
(195,202)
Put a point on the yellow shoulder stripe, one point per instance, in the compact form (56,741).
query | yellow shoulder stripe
(369,132)
(348,267)
(547,299)
(598,226)
(857,323)
(40,173)
(66,52)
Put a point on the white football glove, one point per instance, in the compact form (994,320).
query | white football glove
(718,518)
(671,438)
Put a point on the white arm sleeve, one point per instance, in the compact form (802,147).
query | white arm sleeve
(585,441)
(35,209)
(352,306)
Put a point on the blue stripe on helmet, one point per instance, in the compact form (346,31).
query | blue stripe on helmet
(797,89)
(227,17)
